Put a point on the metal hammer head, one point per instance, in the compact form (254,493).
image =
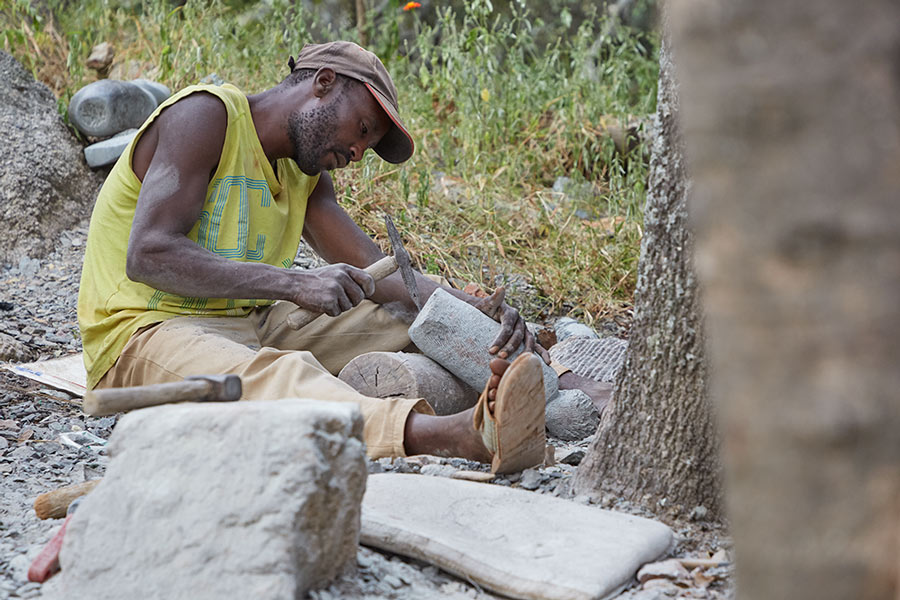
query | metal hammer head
(403,264)
(222,388)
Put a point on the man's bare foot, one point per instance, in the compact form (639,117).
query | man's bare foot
(599,391)
(452,435)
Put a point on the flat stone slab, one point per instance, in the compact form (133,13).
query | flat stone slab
(597,359)
(517,543)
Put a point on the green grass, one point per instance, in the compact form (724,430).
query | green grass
(496,120)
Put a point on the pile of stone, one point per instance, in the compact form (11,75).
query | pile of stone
(453,337)
(45,186)
(113,109)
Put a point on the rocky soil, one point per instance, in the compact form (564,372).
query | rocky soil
(43,445)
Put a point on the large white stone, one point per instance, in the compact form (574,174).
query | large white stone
(520,544)
(226,500)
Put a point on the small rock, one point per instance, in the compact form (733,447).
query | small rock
(58,394)
(481,476)
(401,466)
(573,458)
(363,561)
(655,592)
(571,415)
(101,57)
(438,470)
(106,422)
(13,350)
(108,151)
(393,581)
(671,569)
(699,513)
(213,79)
(29,590)
(531,479)
(664,586)
(22,452)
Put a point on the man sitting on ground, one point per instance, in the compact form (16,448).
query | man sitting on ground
(186,265)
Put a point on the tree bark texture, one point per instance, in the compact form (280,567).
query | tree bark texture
(656,444)
(792,122)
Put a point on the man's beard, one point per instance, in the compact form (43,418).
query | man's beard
(309,132)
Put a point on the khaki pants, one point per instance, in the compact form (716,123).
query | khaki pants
(275,361)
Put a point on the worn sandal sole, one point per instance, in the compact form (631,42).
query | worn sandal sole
(515,432)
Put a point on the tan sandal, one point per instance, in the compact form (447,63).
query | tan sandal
(514,433)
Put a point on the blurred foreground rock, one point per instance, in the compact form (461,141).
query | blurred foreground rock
(227,500)
(45,185)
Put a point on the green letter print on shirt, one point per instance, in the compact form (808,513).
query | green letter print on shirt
(233,188)
(236,188)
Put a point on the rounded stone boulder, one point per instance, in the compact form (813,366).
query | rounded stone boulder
(106,107)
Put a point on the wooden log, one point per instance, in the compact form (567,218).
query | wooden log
(402,375)
(53,505)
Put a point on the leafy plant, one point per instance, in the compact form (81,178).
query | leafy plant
(498,113)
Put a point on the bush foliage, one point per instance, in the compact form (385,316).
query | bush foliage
(498,116)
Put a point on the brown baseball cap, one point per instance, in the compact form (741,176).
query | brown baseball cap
(351,60)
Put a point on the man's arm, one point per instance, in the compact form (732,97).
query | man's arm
(337,238)
(175,159)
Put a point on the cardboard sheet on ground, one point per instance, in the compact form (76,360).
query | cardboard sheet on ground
(517,543)
(66,373)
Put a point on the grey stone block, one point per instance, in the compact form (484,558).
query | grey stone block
(108,106)
(221,500)
(457,336)
(571,416)
(159,91)
(598,359)
(108,151)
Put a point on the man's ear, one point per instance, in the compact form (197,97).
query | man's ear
(324,81)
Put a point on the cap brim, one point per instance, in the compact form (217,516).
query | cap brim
(397,145)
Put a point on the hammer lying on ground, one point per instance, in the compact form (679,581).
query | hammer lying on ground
(378,270)
(202,388)
(55,504)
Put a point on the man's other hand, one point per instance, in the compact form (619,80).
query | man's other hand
(333,289)
(513,331)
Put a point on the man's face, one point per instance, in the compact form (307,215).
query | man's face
(338,131)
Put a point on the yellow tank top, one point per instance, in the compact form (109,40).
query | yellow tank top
(249,215)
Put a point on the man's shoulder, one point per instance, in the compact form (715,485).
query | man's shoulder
(205,97)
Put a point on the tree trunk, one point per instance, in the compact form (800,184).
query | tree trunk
(656,444)
(792,120)
(361,23)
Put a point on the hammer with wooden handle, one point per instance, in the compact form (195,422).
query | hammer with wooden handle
(203,388)
(378,270)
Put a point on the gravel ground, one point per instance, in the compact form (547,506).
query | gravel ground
(37,321)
